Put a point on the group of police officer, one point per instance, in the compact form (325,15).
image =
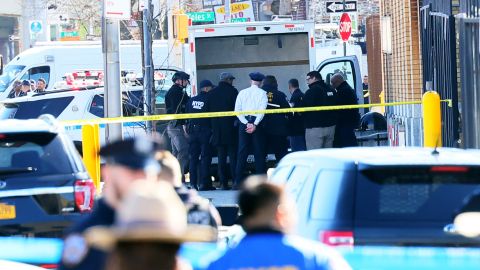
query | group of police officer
(236,137)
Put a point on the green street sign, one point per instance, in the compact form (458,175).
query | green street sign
(201,16)
(68,34)
(239,20)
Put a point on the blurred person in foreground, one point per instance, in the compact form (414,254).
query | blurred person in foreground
(268,218)
(126,162)
(149,228)
(200,210)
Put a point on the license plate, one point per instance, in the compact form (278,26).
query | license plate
(7,211)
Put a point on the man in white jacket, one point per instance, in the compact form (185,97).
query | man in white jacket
(249,130)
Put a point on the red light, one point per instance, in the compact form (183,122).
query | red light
(457,169)
(289,25)
(312,42)
(84,195)
(192,47)
(209,30)
(337,238)
(251,28)
(2,136)
(189,22)
(49,266)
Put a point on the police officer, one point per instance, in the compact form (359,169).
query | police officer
(268,218)
(250,133)
(175,102)
(276,125)
(296,128)
(199,134)
(126,162)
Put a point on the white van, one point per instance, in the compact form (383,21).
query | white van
(52,60)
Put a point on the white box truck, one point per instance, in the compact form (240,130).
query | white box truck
(285,49)
(52,60)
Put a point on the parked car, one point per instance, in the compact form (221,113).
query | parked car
(380,195)
(44,186)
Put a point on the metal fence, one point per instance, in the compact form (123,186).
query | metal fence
(469,34)
(437,30)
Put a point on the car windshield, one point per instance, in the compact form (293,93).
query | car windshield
(33,109)
(414,193)
(9,74)
(41,151)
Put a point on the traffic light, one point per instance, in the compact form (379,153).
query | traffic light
(180,27)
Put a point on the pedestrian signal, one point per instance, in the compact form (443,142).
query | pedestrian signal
(180,27)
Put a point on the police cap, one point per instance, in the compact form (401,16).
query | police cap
(135,153)
(256,76)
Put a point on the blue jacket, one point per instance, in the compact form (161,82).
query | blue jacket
(273,250)
(198,104)
(76,254)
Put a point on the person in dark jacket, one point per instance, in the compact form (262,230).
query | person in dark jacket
(224,132)
(175,102)
(126,162)
(276,125)
(296,127)
(199,134)
(319,125)
(349,119)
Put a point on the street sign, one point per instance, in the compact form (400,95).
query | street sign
(345,27)
(36,27)
(238,11)
(201,16)
(334,7)
(118,9)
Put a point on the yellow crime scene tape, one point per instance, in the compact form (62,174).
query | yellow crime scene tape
(167,117)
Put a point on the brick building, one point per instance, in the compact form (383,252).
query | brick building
(402,72)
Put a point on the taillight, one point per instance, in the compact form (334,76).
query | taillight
(84,195)
(49,266)
(337,238)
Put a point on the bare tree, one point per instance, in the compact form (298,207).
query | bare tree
(86,13)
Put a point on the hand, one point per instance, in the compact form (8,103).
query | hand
(250,128)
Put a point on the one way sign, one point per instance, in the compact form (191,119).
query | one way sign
(334,7)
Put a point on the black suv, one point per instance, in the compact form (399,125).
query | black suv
(380,195)
(44,186)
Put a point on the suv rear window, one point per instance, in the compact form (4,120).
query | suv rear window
(40,150)
(414,193)
(33,109)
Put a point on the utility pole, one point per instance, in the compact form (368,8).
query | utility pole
(175,56)
(344,43)
(148,68)
(227,11)
(113,93)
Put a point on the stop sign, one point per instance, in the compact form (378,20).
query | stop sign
(345,27)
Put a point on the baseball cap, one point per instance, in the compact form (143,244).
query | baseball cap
(205,83)
(226,76)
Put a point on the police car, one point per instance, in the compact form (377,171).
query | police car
(44,186)
(85,103)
